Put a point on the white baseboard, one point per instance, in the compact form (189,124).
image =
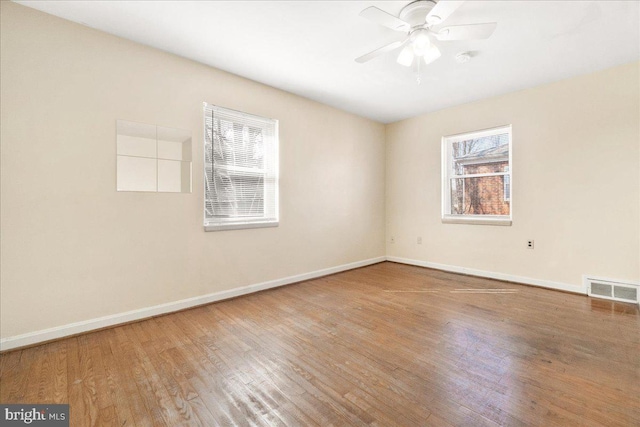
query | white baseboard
(492,275)
(44,335)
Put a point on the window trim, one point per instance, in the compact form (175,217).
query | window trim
(446,176)
(241,225)
(506,195)
(242,222)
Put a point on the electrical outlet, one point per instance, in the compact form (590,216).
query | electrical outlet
(393,239)
(529,244)
(419,240)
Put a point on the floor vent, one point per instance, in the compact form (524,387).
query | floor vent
(613,290)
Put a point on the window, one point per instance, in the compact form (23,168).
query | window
(241,170)
(476,177)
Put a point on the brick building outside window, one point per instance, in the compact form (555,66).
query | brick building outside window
(487,195)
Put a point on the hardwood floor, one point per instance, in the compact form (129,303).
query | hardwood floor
(384,345)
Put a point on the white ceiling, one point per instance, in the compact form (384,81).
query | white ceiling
(308,47)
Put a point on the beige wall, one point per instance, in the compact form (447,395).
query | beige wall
(75,249)
(576,182)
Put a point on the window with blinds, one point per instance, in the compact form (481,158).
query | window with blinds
(476,177)
(241,170)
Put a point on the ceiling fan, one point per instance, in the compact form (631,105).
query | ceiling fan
(417,20)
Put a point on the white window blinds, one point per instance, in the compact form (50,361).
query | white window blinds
(241,170)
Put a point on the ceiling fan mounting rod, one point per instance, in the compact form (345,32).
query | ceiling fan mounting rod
(419,27)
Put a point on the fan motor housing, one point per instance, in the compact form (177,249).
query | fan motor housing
(416,12)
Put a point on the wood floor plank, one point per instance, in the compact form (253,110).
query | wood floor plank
(143,408)
(117,385)
(82,393)
(384,345)
(108,417)
(15,381)
(173,412)
(38,379)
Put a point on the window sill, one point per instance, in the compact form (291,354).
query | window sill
(477,220)
(240,225)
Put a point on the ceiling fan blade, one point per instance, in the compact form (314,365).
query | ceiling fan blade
(381,17)
(467,32)
(441,11)
(391,46)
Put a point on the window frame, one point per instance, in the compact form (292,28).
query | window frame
(506,186)
(243,222)
(446,174)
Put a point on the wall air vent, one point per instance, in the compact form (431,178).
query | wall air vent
(613,289)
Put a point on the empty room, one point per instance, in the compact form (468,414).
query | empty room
(320,213)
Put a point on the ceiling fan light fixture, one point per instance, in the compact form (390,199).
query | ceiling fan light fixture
(419,51)
(406,56)
(421,38)
(431,54)
(420,41)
